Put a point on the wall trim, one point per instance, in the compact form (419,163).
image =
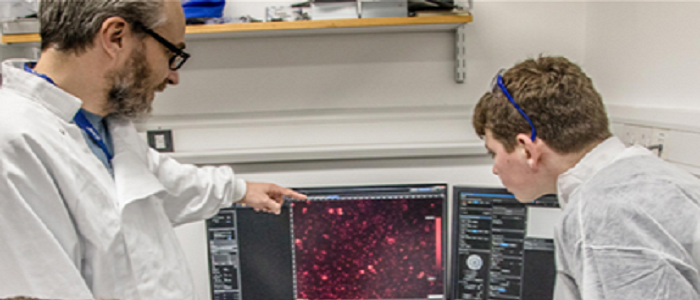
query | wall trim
(684,119)
(344,152)
(305,135)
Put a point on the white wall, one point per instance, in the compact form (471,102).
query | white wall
(272,79)
(289,80)
(372,70)
(643,58)
(645,53)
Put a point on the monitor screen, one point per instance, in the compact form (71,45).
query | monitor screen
(354,242)
(503,248)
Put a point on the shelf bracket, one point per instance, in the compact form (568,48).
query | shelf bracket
(460,54)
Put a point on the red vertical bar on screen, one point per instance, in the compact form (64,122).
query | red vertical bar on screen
(438,242)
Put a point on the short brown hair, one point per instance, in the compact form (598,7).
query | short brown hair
(567,111)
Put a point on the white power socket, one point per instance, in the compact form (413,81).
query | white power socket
(646,136)
(675,145)
(634,134)
(658,141)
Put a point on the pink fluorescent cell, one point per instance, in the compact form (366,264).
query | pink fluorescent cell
(390,240)
(420,275)
(362,272)
(405,257)
(331,211)
(370,267)
(303,211)
(324,277)
(340,211)
(325,236)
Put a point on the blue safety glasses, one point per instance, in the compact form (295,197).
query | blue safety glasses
(496,85)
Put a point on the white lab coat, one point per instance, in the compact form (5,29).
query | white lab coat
(68,230)
(630,228)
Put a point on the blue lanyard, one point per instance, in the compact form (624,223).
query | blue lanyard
(30,70)
(79,118)
(83,123)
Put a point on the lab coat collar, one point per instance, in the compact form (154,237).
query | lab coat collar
(601,156)
(56,100)
(133,177)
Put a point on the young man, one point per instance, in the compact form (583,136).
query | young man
(630,225)
(87,208)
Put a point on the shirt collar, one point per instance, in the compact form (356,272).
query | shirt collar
(601,156)
(94,119)
(56,100)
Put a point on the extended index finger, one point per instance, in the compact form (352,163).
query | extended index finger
(291,194)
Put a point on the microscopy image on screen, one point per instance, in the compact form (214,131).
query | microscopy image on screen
(368,249)
(342,243)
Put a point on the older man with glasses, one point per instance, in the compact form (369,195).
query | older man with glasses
(88,208)
(630,227)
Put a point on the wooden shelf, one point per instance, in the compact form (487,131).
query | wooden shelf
(302,27)
(20,38)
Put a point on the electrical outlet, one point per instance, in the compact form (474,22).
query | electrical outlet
(635,135)
(628,134)
(658,140)
(161,140)
(650,137)
(643,135)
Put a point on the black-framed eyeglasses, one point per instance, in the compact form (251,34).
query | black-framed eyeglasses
(496,85)
(179,57)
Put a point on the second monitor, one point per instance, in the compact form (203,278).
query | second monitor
(504,249)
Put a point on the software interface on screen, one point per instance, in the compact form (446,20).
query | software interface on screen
(504,249)
(360,242)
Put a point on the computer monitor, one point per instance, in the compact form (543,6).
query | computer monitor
(503,249)
(352,242)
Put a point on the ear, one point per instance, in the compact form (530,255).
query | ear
(112,36)
(533,150)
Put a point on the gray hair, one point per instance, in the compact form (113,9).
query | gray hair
(71,25)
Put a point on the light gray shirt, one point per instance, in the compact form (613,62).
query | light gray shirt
(99,124)
(629,228)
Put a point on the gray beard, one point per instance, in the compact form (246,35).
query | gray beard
(128,96)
